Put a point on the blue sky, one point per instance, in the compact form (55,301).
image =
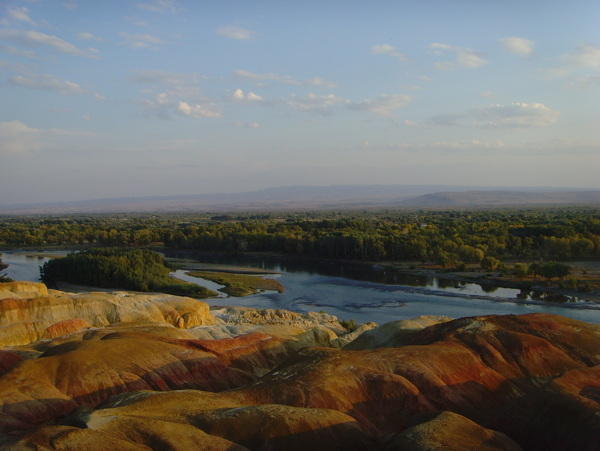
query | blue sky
(110,98)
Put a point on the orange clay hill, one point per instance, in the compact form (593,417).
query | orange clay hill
(164,372)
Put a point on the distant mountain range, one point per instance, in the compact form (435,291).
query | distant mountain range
(323,197)
(492,198)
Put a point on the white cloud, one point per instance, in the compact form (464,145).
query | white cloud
(474,144)
(239,96)
(86,36)
(12,50)
(324,104)
(587,55)
(253,97)
(486,94)
(383,104)
(515,115)
(159,77)
(386,49)
(178,86)
(314,103)
(246,124)
(464,57)
(237,33)
(157,106)
(17,138)
(162,99)
(159,6)
(179,92)
(583,82)
(518,46)
(414,124)
(198,110)
(240,74)
(581,66)
(317,81)
(21,14)
(47,82)
(142,41)
(34,39)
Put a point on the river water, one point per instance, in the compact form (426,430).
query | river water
(359,292)
(365,293)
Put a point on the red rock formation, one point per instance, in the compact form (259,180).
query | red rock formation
(65,327)
(8,359)
(534,378)
(254,353)
(210,422)
(95,366)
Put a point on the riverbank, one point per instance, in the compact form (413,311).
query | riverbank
(580,271)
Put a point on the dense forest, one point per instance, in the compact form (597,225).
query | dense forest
(132,269)
(447,238)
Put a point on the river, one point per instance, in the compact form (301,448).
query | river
(359,292)
(374,293)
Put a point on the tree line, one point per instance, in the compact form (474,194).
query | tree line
(448,238)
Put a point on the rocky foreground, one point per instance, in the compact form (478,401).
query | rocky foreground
(127,371)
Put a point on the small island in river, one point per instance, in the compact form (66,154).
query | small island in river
(237,284)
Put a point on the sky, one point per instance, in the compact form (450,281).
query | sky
(108,99)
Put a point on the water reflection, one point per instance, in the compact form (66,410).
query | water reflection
(489,288)
(376,274)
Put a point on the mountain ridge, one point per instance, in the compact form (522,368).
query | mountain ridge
(321,197)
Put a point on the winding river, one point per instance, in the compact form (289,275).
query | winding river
(359,292)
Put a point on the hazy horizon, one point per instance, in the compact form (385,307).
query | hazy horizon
(105,100)
(431,188)
(320,198)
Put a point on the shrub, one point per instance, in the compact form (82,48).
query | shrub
(350,325)
(490,263)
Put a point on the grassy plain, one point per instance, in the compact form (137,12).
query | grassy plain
(240,284)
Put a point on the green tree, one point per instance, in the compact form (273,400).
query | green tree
(132,269)
(3,277)
(550,270)
(490,263)
(520,270)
